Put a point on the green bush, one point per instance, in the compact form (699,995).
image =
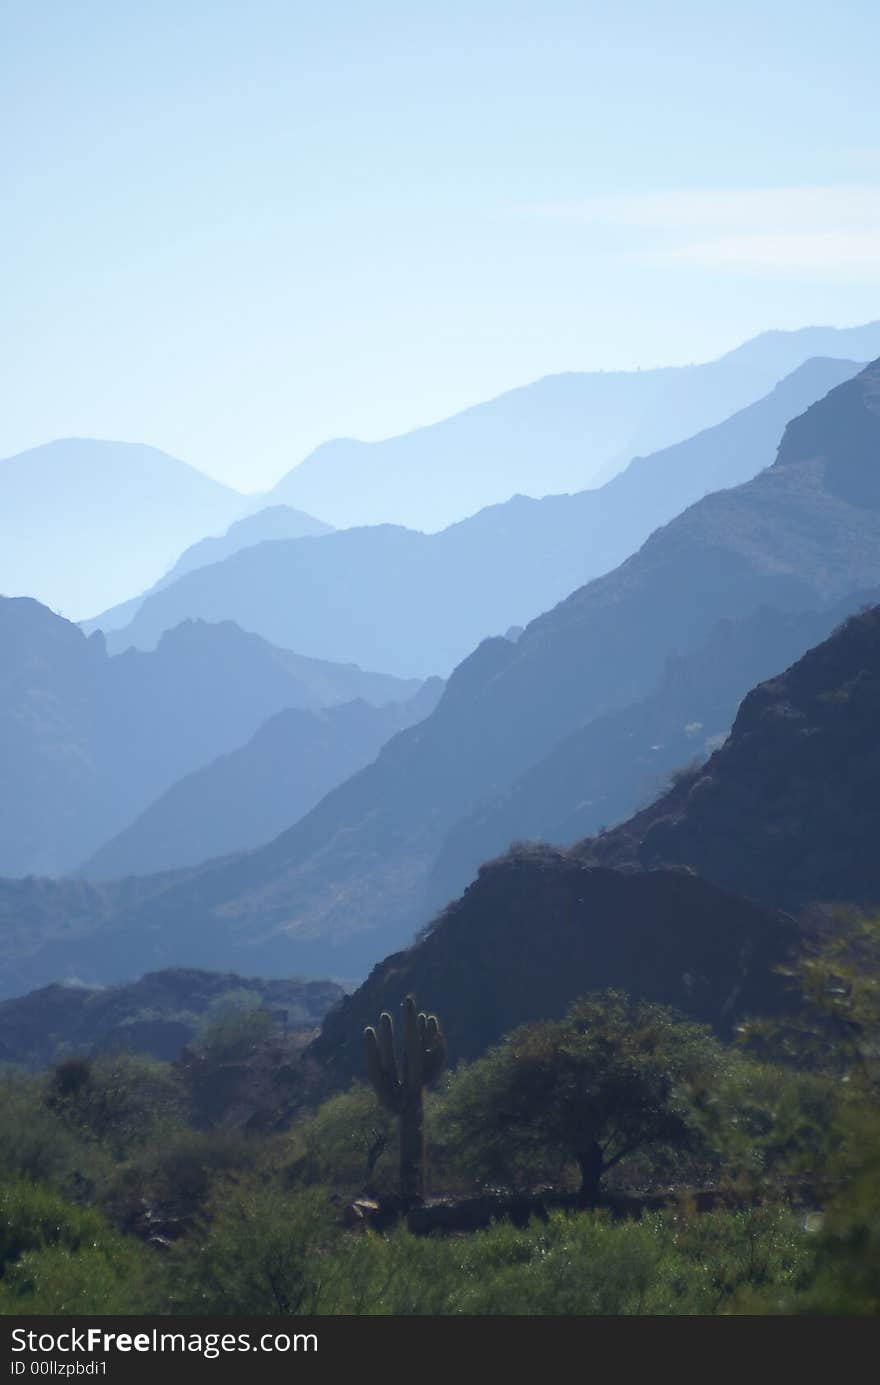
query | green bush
(260,1251)
(118,1102)
(59,1258)
(348,1144)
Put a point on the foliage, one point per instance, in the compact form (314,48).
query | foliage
(345,1144)
(258,1251)
(233,1031)
(610,1079)
(59,1258)
(119,1102)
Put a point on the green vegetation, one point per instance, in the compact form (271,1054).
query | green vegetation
(680,1175)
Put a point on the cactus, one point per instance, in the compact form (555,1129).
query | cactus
(399,1085)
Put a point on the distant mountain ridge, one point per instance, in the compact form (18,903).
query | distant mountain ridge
(789,807)
(418,604)
(156,1015)
(85,523)
(273,522)
(348,883)
(562,433)
(87,741)
(249,795)
(602,772)
(786,812)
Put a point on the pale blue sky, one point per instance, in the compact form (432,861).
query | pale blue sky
(236,230)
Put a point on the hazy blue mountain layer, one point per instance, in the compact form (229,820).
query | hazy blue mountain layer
(562,433)
(418,604)
(248,796)
(84,524)
(349,882)
(87,741)
(786,812)
(274,522)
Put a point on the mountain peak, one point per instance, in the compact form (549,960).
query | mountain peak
(843,432)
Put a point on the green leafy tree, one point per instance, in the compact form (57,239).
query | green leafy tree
(610,1079)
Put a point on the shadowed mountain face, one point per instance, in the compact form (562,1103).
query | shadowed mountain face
(274,522)
(614,765)
(349,882)
(539,929)
(247,797)
(87,741)
(417,603)
(789,808)
(157,1015)
(787,811)
(562,433)
(86,523)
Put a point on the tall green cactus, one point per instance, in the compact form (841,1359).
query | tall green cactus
(400,1085)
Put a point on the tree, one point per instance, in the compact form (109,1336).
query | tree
(611,1078)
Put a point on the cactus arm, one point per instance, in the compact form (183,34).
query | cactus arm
(385,1083)
(386,1043)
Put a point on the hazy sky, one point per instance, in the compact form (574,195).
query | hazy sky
(233,230)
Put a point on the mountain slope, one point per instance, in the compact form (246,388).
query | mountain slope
(416,603)
(539,929)
(562,433)
(602,772)
(350,878)
(85,523)
(787,811)
(274,522)
(157,1015)
(348,882)
(253,793)
(789,806)
(86,741)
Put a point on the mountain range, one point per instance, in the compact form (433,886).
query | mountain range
(87,741)
(84,523)
(417,604)
(563,433)
(349,881)
(786,813)
(272,522)
(251,794)
(158,1014)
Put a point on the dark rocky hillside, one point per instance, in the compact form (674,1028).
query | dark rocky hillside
(157,1015)
(787,811)
(540,928)
(600,773)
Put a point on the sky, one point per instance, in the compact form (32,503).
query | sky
(233,231)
